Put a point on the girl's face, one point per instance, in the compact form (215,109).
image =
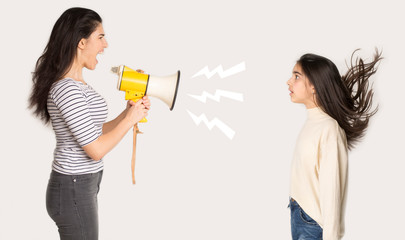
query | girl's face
(91,47)
(301,90)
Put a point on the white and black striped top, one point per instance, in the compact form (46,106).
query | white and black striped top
(77,115)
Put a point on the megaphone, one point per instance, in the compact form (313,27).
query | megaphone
(136,85)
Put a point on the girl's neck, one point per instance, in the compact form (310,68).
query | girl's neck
(310,105)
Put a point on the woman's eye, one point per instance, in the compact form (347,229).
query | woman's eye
(296,76)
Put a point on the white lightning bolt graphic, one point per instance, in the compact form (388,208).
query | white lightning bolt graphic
(217,97)
(214,122)
(223,74)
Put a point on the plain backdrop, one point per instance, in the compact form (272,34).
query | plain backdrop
(193,183)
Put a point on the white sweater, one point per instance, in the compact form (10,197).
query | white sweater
(319,172)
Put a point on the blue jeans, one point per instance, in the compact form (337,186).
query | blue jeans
(303,227)
(71,202)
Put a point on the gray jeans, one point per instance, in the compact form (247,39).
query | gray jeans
(71,201)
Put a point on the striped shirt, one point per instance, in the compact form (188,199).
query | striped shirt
(77,114)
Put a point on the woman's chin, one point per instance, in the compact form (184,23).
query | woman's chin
(91,67)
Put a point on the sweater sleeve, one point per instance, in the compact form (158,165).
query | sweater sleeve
(332,181)
(72,105)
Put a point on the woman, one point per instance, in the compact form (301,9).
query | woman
(78,113)
(338,109)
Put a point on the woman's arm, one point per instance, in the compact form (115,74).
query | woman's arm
(108,126)
(116,129)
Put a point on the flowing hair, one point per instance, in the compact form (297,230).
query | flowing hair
(57,58)
(348,98)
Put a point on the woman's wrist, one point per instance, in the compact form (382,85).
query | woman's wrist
(128,122)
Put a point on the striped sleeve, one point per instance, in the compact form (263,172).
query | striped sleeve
(72,105)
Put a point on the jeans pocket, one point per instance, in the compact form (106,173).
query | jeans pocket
(53,198)
(306,218)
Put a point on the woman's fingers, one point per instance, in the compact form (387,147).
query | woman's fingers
(146,102)
(138,103)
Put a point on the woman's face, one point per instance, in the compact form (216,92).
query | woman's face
(91,47)
(301,90)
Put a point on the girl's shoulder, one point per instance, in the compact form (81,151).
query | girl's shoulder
(331,129)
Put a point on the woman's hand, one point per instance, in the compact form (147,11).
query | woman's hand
(146,103)
(136,111)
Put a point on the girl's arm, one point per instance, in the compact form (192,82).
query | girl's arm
(333,181)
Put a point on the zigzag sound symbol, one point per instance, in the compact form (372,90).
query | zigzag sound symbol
(222,74)
(217,97)
(229,132)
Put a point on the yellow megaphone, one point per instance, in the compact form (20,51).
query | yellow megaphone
(136,85)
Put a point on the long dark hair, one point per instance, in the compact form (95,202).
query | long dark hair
(347,98)
(56,60)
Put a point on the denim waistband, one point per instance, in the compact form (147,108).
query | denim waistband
(55,174)
(292,202)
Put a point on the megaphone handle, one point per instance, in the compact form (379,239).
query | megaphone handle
(135,133)
(144,120)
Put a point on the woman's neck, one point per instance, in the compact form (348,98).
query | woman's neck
(75,72)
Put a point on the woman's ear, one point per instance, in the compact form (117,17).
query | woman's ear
(82,43)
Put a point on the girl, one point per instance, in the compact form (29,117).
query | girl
(78,113)
(339,109)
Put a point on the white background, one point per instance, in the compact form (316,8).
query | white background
(193,183)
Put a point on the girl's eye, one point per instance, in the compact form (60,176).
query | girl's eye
(296,76)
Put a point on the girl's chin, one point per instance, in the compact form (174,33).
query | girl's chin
(295,101)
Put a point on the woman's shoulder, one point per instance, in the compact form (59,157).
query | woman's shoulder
(65,82)
(63,85)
